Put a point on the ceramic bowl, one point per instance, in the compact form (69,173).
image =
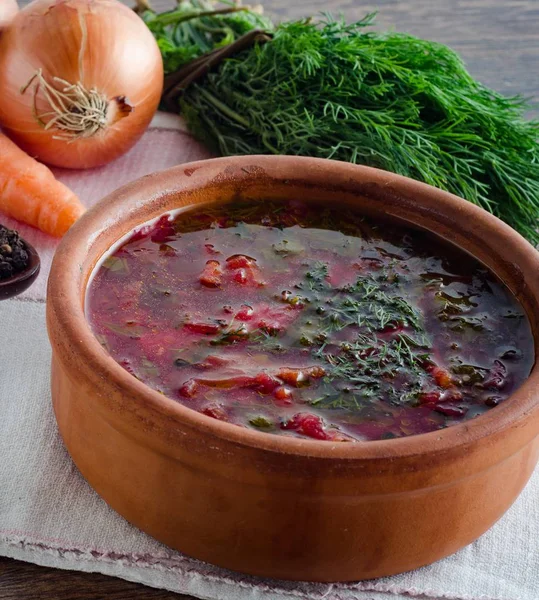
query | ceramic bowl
(278,506)
(21,281)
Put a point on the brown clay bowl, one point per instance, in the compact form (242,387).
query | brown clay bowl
(269,505)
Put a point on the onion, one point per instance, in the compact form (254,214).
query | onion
(80,80)
(8,9)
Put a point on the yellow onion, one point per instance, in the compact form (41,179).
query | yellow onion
(80,80)
(8,9)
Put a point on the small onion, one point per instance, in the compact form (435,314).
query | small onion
(80,80)
(8,9)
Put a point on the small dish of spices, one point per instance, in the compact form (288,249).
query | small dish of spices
(19,263)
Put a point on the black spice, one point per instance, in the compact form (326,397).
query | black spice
(13,253)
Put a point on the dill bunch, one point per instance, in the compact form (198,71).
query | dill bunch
(388,100)
(195,27)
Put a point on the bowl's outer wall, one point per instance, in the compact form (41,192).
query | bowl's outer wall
(267,505)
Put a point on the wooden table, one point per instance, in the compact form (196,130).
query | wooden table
(498,40)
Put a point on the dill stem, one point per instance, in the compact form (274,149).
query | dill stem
(178,16)
(223,107)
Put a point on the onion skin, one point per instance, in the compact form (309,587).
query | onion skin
(8,9)
(119,58)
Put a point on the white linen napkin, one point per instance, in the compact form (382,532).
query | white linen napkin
(50,516)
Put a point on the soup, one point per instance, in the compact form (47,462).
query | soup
(306,321)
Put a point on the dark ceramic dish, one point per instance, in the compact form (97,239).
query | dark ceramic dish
(18,283)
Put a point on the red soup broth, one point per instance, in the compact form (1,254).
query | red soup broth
(310,322)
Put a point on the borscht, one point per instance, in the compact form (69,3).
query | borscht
(310,321)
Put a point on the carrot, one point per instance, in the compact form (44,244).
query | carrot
(30,193)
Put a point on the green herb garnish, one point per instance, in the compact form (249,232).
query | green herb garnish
(385,348)
(261,423)
(335,90)
(129,330)
(233,333)
(198,26)
(116,265)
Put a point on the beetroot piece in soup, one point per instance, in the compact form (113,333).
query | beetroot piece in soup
(311,322)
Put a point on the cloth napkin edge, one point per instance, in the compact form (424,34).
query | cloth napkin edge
(53,559)
(131,568)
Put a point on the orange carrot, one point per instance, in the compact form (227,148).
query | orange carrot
(30,193)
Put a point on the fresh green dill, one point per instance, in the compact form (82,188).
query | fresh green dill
(343,401)
(116,265)
(317,275)
(384,349)
(366,304)
(335,90)
(261,423)
(233,333)
(370,366)
(195,27)
(266,341)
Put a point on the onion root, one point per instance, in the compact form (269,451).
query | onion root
(75,111)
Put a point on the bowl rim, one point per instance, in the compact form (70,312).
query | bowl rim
(65,303)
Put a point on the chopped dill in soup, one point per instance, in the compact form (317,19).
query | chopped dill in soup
(307,321)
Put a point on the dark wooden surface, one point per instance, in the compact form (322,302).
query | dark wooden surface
(498,40)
